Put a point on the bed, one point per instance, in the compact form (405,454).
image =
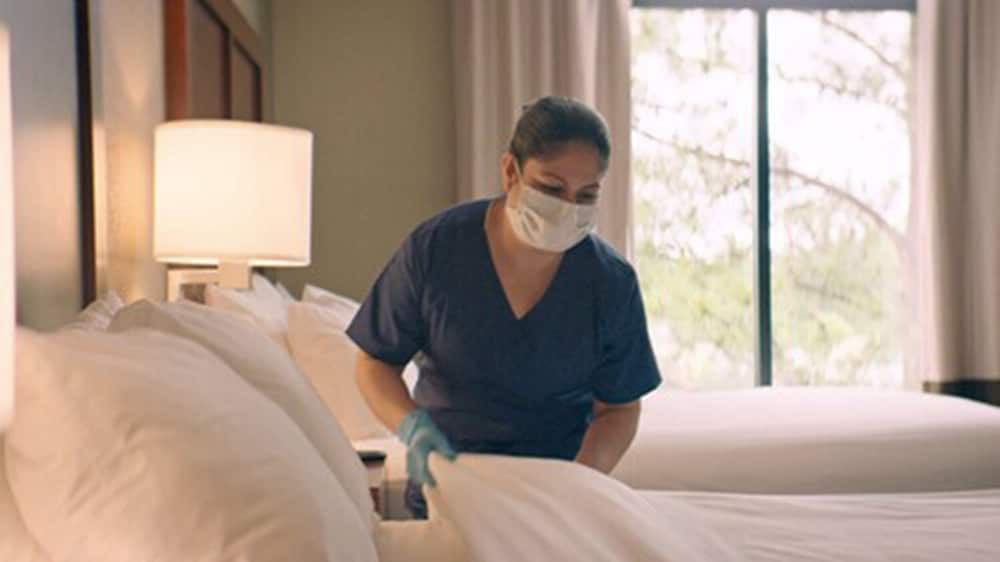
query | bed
(813,441)
(792,441)
(927,527)
(513,511)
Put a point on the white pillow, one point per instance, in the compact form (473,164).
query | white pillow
(269,369)
(16,543)
(509,508)
(98,314)
(344,307)
(262,303)
(145,447)
(327,356)
(286,297)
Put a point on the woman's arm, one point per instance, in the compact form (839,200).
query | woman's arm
(383,388)
(609,435)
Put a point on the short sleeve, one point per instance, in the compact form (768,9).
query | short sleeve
(628,368)
(389,325)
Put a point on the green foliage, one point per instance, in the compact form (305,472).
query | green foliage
(837,261)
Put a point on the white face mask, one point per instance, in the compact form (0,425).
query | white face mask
(549,223)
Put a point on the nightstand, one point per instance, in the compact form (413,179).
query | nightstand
(374,462)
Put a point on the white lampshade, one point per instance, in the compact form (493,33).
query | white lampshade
(7,277)
(232,191)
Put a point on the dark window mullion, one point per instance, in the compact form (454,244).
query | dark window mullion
(762,247)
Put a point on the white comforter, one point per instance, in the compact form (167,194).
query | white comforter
(813,441)
(934,527)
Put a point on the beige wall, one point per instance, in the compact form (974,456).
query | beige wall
(372,80)
(43,74)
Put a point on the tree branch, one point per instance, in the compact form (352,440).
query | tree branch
(845,91)
(857,38)
(832,190)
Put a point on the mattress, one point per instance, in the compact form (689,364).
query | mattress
(928,527)
(813,441)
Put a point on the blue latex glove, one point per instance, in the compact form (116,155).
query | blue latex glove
(422,437)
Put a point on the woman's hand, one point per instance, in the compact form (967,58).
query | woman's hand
(422,437)
(609,435)
(383,388)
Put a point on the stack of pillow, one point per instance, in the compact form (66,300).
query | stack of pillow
(313,332)
(176,431)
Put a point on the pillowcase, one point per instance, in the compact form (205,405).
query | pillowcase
(16,543)
(327,357)
(286,297)
(344,307)
(510,508)
(98,314)
(263,304)
(269,369)
(142,446)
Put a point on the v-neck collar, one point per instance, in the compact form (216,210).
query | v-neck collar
(494,274)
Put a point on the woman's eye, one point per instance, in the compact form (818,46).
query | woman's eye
(552,189)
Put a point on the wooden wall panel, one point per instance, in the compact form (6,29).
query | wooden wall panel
(208,49)
(215,64)
(245,87)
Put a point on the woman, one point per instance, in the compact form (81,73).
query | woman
(530,329)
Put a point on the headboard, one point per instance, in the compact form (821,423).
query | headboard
(47,162)
(215,64)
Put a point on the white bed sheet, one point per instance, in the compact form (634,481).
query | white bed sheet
(930,527)
(419,541)
(813,441)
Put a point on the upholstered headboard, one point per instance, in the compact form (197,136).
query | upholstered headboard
(47,162)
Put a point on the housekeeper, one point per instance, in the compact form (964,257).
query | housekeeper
(529,329)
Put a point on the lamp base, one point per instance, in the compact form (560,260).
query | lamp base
(189,283)
(234,274)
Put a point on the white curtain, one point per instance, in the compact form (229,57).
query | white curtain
(956,201)
(509,52)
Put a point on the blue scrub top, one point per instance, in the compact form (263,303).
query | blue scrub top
(492,382)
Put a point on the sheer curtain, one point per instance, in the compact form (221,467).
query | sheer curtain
(957,191)
(508,52)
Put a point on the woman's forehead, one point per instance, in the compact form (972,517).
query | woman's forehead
(575,161)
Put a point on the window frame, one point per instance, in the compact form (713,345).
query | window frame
(763,325)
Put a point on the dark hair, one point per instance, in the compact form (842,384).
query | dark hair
(548,123)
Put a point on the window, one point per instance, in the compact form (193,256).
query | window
(770,237)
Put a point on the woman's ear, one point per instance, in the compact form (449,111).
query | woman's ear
(508,171)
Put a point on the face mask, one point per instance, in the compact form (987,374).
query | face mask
(549,223)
